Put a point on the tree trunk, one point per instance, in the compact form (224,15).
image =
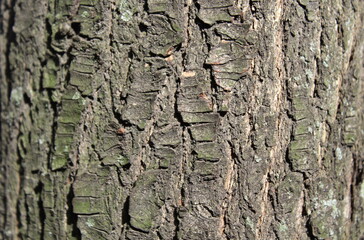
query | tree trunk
(193,119)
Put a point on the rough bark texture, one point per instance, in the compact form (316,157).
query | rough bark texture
(181,119)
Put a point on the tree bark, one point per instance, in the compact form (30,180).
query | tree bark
(193,119)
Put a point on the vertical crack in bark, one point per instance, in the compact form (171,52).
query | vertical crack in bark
(11,39)
(182,165)
(42,216)
(349,195)
(70,216)
(10,227)
(125,218)
(230,179)
(308,225)
(54,107)
(21,175)
(186,138)
(112,55)
(300,212)
(176,224)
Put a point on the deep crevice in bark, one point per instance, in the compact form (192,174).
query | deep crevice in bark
(72,217)
(21,176)
(356,180)
(176,224)
(11,39)
(54,107)
(76,26)
(42,216)
(19,222)
(305,215)
(125,217)
(309,229)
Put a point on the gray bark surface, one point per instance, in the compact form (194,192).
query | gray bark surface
(171,119)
